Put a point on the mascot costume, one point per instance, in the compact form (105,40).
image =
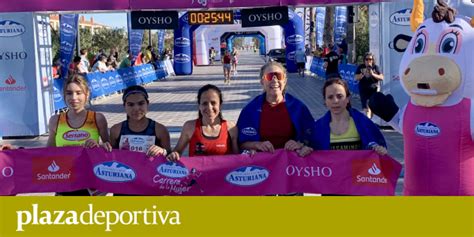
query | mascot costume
(437,72)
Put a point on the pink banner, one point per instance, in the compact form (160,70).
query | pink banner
(125,172)
(114,5)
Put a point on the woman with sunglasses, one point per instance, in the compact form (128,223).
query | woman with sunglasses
(274,119)
(368,74)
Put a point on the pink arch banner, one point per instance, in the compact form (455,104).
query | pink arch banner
(115,5)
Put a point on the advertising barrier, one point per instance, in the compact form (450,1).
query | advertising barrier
(347,72)
(125,172)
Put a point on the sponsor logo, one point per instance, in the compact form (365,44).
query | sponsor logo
(308,171)
(295,39)
(291,55)
(7,172)
(10,28)
(76,135)
(7,56)
(114,171)
(276,16)
(67,29)
(57,95)
(137,141)
(401,17)
(66,46)
(182,58)
(104,83)
(12,85)
(182,42)
(154,20)
(10,80)
(374,170)
(247,176)
(249,131)
(427,129)
(118,80)
(368,172)
(95,84)
(185,18)
(172,170)
(112,81)
(52,169)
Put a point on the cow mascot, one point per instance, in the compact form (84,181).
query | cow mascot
(437,72)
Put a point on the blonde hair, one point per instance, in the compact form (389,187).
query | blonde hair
(79,80)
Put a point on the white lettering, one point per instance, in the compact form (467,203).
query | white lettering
(308,171)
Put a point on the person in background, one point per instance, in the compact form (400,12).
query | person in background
(57,69)
(84,61)
(275,119)
(210,133)
(368,74)
(300,58)
(331,63)
(83,122)
(76,66)
(212,55)
(101,64)
(126,62)
(235,60)
(226,63)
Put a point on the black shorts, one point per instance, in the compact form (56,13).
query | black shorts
(365,96)
(300,65)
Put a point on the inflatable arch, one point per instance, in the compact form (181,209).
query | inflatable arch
(207,37)
(258,35)
(294,39)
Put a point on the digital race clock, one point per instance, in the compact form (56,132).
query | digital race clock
(210,17)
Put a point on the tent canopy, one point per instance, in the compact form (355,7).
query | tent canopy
(121,5)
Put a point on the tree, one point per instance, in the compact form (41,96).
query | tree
(362,33)
(109,38)
(329,25)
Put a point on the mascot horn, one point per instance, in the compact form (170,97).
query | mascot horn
(437,72)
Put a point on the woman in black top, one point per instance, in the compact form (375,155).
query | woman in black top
(368,74)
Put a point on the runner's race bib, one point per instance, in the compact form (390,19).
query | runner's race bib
(140,143)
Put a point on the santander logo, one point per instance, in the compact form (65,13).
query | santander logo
(76,135)
(53,167)
(374,170)
(10,80)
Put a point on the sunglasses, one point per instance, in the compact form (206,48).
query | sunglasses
(269,76)
(369,59)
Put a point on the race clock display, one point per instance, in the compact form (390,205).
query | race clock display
(210,17)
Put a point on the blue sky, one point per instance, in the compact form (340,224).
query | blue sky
(114,20)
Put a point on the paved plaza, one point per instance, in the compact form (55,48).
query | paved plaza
(173,100)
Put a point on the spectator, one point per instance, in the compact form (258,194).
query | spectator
(300,58)
(84,61)
(76,66)
(100,65)
(368,74)
(331,63)
(126,62)
(57,69)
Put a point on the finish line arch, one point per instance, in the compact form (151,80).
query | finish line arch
(183,63)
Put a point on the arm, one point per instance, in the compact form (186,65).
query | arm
(103,127)
(53,124)
(265,146)
(114,135)
(183,141)
(234,133)
(162,133)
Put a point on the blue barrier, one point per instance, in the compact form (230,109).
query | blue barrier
(106,83)
(347,72)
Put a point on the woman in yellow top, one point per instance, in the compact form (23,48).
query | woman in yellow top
(78,126)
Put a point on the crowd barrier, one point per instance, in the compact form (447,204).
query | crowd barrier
(347,72)
(107,83)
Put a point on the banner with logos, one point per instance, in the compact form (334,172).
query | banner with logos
(268,16)
(126,172)
(21,84)
(106,83)
(141,20)
(340,24)
(135,38)
(67,40)
(320,19)
(56,5)
(161,42)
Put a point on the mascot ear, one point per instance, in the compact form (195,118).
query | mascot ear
(416,17)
